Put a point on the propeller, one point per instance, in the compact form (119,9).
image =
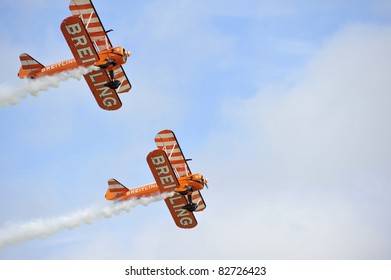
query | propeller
(205,181)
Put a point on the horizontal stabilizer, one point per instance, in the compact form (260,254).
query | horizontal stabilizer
(29,65)
(115,190)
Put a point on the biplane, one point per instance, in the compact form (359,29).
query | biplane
(90,46)
(172,175)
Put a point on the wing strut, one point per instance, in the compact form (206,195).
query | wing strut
(172,150)
(120,85)
(89,19)
(166,181)
(107,43)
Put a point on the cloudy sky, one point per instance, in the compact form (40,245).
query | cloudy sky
(283,105)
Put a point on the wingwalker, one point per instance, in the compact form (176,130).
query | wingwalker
(90,46)
(172,174)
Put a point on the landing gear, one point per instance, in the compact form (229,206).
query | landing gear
(108,62)
(113,84)
(185,192)
(190,207)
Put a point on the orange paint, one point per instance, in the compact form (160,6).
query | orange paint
(90,46)
(164,164)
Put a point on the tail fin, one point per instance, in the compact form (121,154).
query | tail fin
(29,65)
(115,190)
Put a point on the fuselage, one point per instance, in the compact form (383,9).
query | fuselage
(118,55)
(152,189)
(52,69)
(146,190)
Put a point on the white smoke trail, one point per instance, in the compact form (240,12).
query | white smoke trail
(12,95)
(40,228)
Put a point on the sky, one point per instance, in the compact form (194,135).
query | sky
(283,105)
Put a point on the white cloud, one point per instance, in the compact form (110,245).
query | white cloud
(297,171)
(338,114)
(303,172)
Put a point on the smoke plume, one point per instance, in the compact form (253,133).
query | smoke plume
(39,228)
(12,95)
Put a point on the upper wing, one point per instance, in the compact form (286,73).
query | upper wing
(166,140)
(86,10)
(166,181)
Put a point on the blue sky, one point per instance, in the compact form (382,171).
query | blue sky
(283,105)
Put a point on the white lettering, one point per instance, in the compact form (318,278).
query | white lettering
(109,101)
(104,91)
(80,40)
(180,213)
(167,179)
(186,221)
(85,52)
(175,197)
(92,76)
(88,60)
(158,160)
(82,46)
(73,28)
(142,189)
(163,170)
(57,65)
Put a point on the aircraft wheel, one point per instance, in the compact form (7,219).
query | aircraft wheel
(113,84)
(190,207)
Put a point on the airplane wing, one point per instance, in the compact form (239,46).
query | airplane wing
(79,41)
(85,55)
(166,141)
(166,181)
(86,11)
(106,97)
(120,75)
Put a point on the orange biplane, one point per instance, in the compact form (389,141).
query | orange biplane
(90,46)
(172,174)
